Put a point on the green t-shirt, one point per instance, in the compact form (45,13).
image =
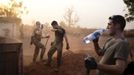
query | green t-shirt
(114,49)
(59,35)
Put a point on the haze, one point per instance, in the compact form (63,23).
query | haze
(91,13)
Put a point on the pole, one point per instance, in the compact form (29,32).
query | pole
(46,42)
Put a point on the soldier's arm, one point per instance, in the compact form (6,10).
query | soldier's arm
(47,36)
(116,69)
(98,50)
(32,36)
(53,30)
(67,43)
(57,30)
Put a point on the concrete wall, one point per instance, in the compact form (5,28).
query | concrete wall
(9,30)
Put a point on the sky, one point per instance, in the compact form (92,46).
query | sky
(91,13)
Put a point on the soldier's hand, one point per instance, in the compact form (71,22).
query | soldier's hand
(90,62)
(96,40)
(67,47)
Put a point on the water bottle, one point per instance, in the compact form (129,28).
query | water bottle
(93,35)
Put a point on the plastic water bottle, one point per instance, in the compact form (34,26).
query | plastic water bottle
(93,35)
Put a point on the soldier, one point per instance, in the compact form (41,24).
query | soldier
(115,50)
(57,44)
(36,40)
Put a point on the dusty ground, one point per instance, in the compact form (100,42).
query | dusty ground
(73,60)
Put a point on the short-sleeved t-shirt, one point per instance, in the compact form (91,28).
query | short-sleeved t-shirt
(59,34)
(114,49)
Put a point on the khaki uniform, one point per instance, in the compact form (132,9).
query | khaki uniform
(57,45)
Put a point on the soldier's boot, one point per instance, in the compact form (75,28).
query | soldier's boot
(48,62)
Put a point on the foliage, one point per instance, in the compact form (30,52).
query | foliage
(130,7)
(13,9)
(62,23)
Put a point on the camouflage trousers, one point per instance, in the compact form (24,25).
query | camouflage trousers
(38,46)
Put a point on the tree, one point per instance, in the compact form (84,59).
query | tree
(130,7)
(13,9)
(62,23)
(71,17)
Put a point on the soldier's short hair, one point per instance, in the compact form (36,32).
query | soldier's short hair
(119,19)
(37,23)
(54,23)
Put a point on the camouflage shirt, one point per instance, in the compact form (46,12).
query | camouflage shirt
(37,34)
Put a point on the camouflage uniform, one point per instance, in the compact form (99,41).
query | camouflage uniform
(36,40)
(57,45)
